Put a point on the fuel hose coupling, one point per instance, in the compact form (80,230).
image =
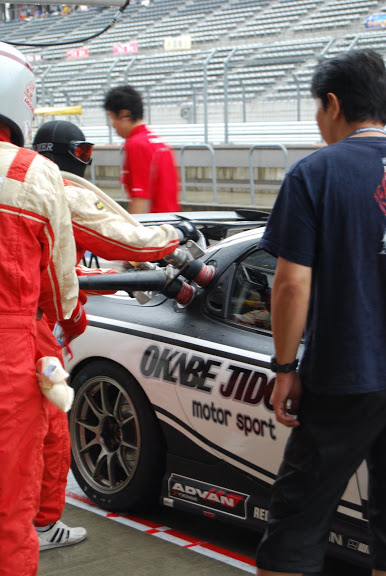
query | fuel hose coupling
(199,272)
(182,292)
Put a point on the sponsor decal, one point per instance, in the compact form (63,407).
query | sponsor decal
(29,93)
(190,369)
(358,546)
(34,57)
(125,48)
(364,548)
(209,496)
(260,513)
(77,53)
(248,386)
(243,385)
(210,412)
(179,367)
(244,422)
(335,538)
(350,543)
(44,147)
(183,42)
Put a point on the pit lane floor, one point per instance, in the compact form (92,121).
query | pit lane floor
(161,543)
(114,548)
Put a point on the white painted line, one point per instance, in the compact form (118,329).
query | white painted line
(172,539)
(223,558)
(162,532)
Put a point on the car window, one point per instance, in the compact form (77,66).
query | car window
(251,293)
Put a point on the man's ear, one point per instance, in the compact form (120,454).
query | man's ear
(124,114)
(335,105)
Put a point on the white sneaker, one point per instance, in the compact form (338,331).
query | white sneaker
(60,535)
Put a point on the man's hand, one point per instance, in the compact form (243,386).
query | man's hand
(186,231)
(285,398)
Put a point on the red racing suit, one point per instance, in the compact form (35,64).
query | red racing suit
(37,268)
(101,226)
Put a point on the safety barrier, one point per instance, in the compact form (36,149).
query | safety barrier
(182,167)
(251,177)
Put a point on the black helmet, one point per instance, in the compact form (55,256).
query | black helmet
(65,144)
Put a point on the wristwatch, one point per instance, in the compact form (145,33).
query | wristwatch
(283,368)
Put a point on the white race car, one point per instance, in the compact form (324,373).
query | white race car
(172,399)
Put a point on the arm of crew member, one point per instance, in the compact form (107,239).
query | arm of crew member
(139,205)
(289,307)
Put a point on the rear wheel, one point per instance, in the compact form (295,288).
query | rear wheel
(118,452)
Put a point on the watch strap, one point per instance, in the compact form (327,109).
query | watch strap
(283,368)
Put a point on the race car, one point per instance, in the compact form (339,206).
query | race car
(172,395)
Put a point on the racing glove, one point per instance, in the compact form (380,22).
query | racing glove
(186,231)
(76,325)
(84,271)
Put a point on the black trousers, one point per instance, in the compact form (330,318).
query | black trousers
(335,435)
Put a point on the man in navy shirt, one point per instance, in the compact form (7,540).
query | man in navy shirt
(327,229)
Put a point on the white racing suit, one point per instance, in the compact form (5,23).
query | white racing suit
(103,227)
(36,269)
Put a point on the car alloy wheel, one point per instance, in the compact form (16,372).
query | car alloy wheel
(117,446)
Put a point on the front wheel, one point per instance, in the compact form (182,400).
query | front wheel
(118,451)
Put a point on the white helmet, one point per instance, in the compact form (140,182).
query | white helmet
(17,93)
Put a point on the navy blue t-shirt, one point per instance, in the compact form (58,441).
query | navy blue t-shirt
(330,214)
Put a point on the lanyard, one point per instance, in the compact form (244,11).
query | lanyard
(366,129)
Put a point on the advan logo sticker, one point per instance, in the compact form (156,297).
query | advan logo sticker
(208,496)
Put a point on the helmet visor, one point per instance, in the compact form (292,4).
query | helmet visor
(81,150)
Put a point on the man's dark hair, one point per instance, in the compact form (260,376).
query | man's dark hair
(358,79)
(124,98)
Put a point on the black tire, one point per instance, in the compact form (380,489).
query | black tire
(118,451)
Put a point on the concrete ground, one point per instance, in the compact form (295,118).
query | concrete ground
(112,548)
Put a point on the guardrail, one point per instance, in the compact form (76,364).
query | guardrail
(182,168)
(251,177)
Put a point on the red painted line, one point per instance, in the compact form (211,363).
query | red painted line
(152,525)
(213,547)
(80,498)
(154,529)
(228,553)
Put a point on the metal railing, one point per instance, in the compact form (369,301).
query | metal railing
(251,175)
(182,167)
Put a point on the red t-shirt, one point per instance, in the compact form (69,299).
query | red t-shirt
(149,170)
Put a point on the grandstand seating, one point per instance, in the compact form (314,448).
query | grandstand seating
(270,46)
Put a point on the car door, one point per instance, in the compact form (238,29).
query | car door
(234,416)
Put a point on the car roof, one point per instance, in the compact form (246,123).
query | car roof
(251,236)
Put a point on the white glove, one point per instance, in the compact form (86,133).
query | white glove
(52,381)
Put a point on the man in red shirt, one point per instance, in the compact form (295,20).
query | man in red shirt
(148,169)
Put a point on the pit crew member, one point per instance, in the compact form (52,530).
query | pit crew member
(37,268)
(104,228)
